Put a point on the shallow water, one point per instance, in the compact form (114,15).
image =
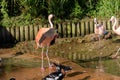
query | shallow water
(30,72)
(111,66)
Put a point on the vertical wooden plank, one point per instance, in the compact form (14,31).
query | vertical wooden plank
(71,29)
(21,33)
(17,33)
(26,33)
(111,25)
(78,30)
(108,25)
(86,27)
(63,30)
(36,28)
(82,28)
(31,32)
(62,34)
(66,29)
(89,27)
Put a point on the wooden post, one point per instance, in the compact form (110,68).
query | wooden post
(31,32)
(21,33)
(26,33)
(82,28)
(17,33)
(36,28)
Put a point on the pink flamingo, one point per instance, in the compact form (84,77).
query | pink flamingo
(45,38)
(116,30)
(114,22)
(98,28)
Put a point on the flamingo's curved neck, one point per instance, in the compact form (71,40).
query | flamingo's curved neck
(51,24)
(114,25)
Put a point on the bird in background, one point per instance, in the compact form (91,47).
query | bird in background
(116,30)
(99,28)
(46,37)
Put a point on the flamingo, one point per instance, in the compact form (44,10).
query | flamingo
(99,28)
(116,31)
(46,37)
(114,21)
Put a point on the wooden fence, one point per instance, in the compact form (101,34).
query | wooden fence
(64,29)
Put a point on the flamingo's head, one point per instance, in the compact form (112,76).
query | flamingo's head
(112,18)
(51,16)
(95,20)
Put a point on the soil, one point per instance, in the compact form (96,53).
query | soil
(83,45)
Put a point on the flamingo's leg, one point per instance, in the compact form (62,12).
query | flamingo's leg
(48,60)
(42,58)
(47,56)
(117,52)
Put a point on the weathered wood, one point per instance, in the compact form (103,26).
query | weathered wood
(26,33)
(91,26)
(82,28)
(21,33)
(64,29)
(17,33)
(36,28)
(31,29)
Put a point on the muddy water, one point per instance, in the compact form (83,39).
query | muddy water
(35,73)
(77,73)
(111,66)
(88,71)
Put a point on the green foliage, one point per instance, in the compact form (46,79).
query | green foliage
(25,12)
(4,11)
(77,11)
(61,8)
(107,8)
(32,7)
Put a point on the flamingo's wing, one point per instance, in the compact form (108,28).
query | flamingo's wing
(99,25)
(49,33)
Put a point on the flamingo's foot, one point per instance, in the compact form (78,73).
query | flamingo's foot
(114,56)
(42,69)
(50,67)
